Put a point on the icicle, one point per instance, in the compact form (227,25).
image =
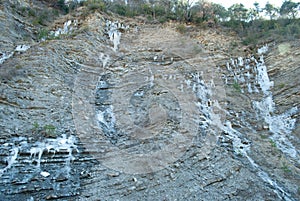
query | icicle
(240,61)
(107,118)
(264,49)
(263,78)
(104,59)
(5,57)
(22,48)
(11,160)
(249,88)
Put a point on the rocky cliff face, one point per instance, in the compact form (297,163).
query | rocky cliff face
(112,109)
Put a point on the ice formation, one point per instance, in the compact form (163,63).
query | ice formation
(19,48)
(249,73)
(107,118)
(10,160)
(114,34)
(22,48)
(61,144)
(66,29)
(5,56)
(252,73)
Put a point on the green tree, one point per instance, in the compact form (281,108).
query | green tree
(219,12)
(257,8)
(238,17)
(289,8)
(183,10)
(186,6)
(160,8)
(238,12)
(271,10)
(256,11)
(252,15)
(203,10)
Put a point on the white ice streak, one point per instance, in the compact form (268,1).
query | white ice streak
(264,49)
(212,119)
(250,73)
(66,29)
(266,178)
(280,125)
(45,174)
(10,160)
(104,59)
(151,79)
(114,34)
(107,118)
(5,56)
(240,144)
(63,143)
(263,78)
(243,147)
(22,48)
(19,48)
(241,62)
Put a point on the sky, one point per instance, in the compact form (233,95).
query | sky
(248,3)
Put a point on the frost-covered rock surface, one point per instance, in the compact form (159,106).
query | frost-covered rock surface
(66,29)
(83,117)
(19,48)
